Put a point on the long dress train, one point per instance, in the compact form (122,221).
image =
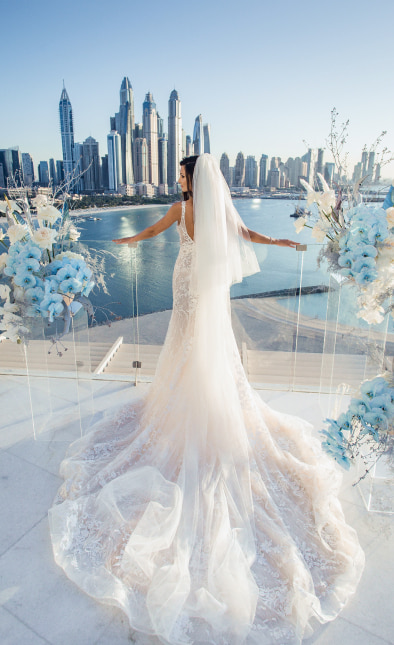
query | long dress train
(202,513)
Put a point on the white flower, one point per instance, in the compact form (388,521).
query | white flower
(326,201)
(299,224)
(74,233)
(3,207)
(69,254)
(39,201)
(4,289)
(319,231)
(1,234)
(16,232)
(311,195)
(3,260)
(11,307)
(326,187)
(44,237)
(19,293)
(372,316)
(48,213)
(390,216)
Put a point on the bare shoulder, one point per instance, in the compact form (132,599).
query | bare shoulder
(175,212)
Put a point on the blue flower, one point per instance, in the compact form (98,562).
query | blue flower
(374,387)
(70,285)
(384,403)
(51,286)
(358,407)
(362,263)
(337,453)
(51,305)
(344,421)
(24,279)
(11,268)
(33,310)
(34,294)
(31,264)
(378,232)
(366,276)
(31,251)
(84,274)
(78,263)
(346,260)
(376,419)
(368,250)
(65,273)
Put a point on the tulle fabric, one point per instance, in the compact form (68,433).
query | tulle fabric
(206,516)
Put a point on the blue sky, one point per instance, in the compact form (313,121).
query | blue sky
(265,75)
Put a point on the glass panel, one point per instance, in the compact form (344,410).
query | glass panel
(377,488)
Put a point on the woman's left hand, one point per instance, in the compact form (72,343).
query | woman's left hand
(289,243)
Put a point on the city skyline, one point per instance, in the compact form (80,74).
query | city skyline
(265,83)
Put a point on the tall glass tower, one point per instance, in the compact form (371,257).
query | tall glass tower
(198,136)
(149,124)
(125,127)
(174,150)
(67,134)
(207,137)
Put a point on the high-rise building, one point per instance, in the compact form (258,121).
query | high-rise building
(59,171)
(174,154)
(239,170)
(104,172)
(67,134)
(183,143)
(2,180)
(371,165)
(91,165)
(123,123)
(28,168)
(225,167)
(275,177)
(263,171)
(198,136)
(319,167)
(43,173)
(189,147)
(377,173)
(160,126)
(251,172)
(149,120)
(11,160)
(364,162)
(357,172)
(329,170)
(163,152)
(78,184)
(52,172)
(207,137)
(141,161)
(138,131)
(114,161)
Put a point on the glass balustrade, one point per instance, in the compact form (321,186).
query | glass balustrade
(296,327)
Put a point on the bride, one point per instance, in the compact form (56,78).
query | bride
(203,514)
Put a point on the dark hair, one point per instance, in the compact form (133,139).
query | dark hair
(189,163)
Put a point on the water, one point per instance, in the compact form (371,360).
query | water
(280,267)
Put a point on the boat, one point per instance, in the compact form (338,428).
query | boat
(94,219)
(300,212)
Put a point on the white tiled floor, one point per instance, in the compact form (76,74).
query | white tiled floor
(39,605)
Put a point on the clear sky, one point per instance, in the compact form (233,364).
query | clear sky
(265,75)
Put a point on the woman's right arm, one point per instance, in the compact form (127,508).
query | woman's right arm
(172,215)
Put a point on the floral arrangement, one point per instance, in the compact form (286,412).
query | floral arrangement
(359,246)
(366,429)
(41,274)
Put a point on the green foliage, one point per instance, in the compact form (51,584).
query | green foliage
(111,201)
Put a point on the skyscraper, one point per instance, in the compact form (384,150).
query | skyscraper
(207,137)
(59,171)
(43,173)
(11,160)
(225,167)
(371,165)
(174,137)
(28,168)
(91,165)
(239,170)
(198,136)
(141,161)
(149,122)
(263,171)
(124,124)
(189,148)
(251,172)
(52,172)
(67,134)
(114,160)
(163,145)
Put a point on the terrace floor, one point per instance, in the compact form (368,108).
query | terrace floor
(39,605)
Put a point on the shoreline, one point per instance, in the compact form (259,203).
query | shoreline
(77,212)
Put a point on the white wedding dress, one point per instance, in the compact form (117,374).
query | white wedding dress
(202,513)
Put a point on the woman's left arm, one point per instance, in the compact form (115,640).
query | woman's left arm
(266,239)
